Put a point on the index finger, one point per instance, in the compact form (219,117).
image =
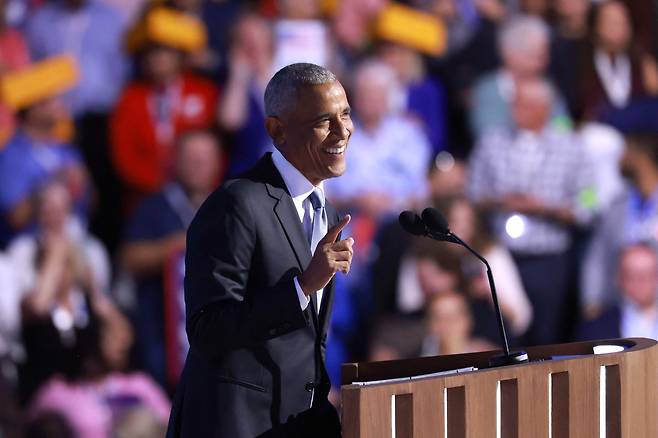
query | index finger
(334,231)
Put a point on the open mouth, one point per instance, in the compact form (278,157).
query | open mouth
(335,151)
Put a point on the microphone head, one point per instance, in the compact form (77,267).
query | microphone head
(412,223)
(435,221)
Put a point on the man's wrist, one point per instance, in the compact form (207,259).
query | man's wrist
(304,288)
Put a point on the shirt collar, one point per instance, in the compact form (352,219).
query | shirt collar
(297,184)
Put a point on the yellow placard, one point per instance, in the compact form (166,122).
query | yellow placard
(413,28)
(51,77)
(170,28)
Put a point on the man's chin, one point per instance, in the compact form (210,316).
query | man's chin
(335,171)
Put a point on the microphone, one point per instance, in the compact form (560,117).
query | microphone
(435,226)
(412,223)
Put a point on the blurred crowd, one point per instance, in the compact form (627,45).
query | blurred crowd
(531,124)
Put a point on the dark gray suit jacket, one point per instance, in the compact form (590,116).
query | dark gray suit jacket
(255,357)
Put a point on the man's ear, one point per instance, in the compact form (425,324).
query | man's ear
(276,130)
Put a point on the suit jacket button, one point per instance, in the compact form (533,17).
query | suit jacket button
(286,326)
(309,386)
(272,332)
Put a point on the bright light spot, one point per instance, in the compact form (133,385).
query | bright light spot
(444,161)
(515,226)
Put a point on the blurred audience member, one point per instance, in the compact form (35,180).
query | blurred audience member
(14,55)
(568,48)
(55,220)
(34,155)
(571,18)
(636,313)
(604,147)
(406,274)
(153,111)
(217,17)
(468,224)
(300,35)
(632,217)
(241,112)
(616,71)
(450,327)
(423,96)
(10,325)
(103,395)
(437,271)
(471,52)
(352,21)
(524,46)
(156,232)
(534,182)
(380,180)
(61,315)
(469,22)
(91,31)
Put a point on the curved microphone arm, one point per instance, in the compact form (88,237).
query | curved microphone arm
(501,326)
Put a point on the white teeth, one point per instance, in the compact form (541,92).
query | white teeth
(339,150)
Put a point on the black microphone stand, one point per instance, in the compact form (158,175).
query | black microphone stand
(434,226)
(507,358)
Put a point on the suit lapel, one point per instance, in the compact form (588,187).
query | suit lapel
(286,213)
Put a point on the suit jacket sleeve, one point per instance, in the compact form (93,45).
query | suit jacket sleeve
(224,310)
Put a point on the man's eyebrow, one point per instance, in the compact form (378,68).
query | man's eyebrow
(321,117)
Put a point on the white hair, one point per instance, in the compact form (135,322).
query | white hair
(518,32)
(373,71)
(281,92)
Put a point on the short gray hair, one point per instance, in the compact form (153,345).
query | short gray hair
(516,33)
(281,91)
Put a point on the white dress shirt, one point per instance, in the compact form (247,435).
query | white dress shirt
(300,189)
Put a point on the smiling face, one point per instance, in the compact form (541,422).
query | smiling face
(313,136)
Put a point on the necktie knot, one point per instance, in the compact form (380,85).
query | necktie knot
(317,199)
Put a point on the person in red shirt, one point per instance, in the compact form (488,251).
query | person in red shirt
(164,103)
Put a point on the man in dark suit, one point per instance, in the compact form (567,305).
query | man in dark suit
(261,255)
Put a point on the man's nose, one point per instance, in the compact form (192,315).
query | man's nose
(343,129)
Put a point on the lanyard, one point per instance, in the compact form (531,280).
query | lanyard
(615,77)
(163,105)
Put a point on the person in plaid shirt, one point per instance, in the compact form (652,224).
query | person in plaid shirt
(534,182)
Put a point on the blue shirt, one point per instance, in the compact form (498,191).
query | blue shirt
(25,166)
(251,141)
(158,216)
(94,35)
(427,100)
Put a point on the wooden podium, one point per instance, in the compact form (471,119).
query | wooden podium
(577,395)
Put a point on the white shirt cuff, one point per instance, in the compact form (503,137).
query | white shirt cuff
(303,299)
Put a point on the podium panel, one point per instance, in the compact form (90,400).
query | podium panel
(564,391)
